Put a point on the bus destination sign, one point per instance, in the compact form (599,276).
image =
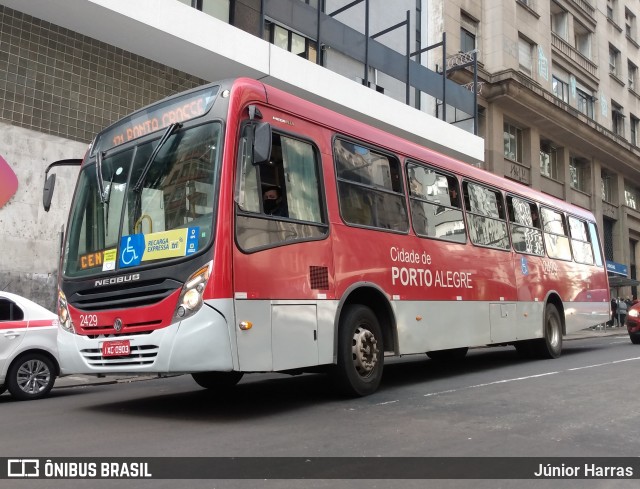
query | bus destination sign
(158,117)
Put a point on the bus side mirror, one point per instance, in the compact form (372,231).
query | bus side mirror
(261,143)
(47,191)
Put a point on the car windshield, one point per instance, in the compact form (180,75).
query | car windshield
(169,216)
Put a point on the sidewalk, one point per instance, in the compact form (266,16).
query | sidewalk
(79,380)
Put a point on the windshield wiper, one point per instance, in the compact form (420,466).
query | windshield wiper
(99,156)
(170,130)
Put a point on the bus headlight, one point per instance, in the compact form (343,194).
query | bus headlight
(64,317)
(634,313)
(190,300)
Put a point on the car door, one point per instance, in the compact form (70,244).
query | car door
(13,329)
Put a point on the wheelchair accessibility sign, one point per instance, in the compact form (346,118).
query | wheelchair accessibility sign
(137,248)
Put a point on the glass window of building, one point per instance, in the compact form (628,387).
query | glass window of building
(607,180)
(559,21)
(631,196)
(617,119)
(632,75)
(549,160)
(611,8)
(629,24)
(633,127)
(525,56)
(584,102)
(468,33)
(290,41)
(614,60)
(579,172)
(560,88)
(513,142)
(582,37)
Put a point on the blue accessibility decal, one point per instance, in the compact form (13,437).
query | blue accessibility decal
(131,250)
(523,266)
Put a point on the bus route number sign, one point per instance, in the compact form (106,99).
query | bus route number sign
(120,348)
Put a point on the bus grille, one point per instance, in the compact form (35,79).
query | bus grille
(139,356)
(127,295)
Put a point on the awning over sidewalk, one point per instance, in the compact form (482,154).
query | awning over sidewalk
(616,281)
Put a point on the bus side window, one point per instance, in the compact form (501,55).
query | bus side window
(369,187)
(435,208)
(487,221)
(580,241)
(556,238)
(525,226)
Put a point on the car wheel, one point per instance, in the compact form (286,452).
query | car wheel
(635,338)
(360,352)
(31,376)
(217,380)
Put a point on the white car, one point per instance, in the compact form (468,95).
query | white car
(28,351)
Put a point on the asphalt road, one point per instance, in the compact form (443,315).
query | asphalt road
(492,404)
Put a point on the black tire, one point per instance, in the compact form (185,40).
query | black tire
(3,388)
(31,376)
(451,355)
(217,380)
(635,338)
(360,352)
(550,345)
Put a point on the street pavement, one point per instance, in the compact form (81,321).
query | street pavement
(77,380)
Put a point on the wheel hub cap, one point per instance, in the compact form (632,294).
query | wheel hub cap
(365,351)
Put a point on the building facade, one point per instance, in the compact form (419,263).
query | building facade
(556,107)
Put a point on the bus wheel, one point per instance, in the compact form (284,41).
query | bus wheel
(217,380)
(550,346)
(451,355)
(360,352)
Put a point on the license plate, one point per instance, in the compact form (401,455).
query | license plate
(120,348)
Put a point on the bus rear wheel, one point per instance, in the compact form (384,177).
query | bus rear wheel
(550,345)
(360,352)
(217,380)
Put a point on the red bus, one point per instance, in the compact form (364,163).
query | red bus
(236,228)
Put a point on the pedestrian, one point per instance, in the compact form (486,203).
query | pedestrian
(622,312)
(614,310)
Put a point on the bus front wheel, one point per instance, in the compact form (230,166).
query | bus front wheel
(217,380)
(550,345)
(360,352)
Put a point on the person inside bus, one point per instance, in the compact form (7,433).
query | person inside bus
(272,202)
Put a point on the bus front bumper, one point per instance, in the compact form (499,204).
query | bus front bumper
(200,343)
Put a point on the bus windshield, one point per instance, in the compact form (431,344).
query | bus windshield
(169,216)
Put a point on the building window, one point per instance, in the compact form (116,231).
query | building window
(560,89)
(559,18)
(614,58)
(549,160)
(617,119)
(585,103)
(631,197)
(606,180)
(525,58)
(290,41)
(633,127)
(468,33)
(611,4)
(582,37)
(629,24)
(513,142)
(579,173)
(632,75)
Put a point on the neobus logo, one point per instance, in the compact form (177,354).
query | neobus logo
(117,280)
